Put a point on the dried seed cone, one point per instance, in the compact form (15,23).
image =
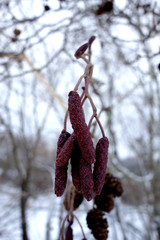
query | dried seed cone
(66,151)
(78,199)
(104,202)
(97,224)
(112,186)
(80,127)
(100,165)
(75,159)
(61,172)
(86,178)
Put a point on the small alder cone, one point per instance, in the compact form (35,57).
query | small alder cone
(97,224)
(100,165)
(78,199)
(66,151)
(86,178)
(75,159)
(61,172)
(112,186)
(80,127)
(104,202)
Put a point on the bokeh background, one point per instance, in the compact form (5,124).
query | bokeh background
(38,40)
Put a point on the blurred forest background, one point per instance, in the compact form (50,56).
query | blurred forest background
(38,40)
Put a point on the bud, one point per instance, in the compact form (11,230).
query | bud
(91,40)
(81,50)
(69,232)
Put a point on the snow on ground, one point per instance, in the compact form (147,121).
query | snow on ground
(40,209)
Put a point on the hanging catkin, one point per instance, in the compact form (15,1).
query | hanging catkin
(75,160)
(66,151)
(86,178)
(80,127)
(61,172)
(100,165)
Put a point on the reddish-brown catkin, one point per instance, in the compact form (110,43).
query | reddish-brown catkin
(66,152)
(80,127)
(60,179)
(61,140)
(61,172)
(75,166)
(86,177)
(100,165)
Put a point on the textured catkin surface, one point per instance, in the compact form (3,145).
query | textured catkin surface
(75,159)
(60,179)
(86,178)
(61,140)
(66,151)
(100,165)
(61,172)
(80,127)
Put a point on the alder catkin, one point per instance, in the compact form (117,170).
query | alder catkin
(60,179)
(86,178)
(61,172)
(66,151)
(80,127)
(100,165)
(61,140)
(75,166)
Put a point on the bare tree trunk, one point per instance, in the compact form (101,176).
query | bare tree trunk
(23,205)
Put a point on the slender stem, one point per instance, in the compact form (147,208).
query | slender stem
(72,193)
(91,119)
(85,59)
(92,104)
(65,120)
(62,228)
(80,226)
(79,81)
(100,125)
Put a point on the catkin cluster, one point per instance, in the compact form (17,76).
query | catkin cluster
(88,163)
(79,149)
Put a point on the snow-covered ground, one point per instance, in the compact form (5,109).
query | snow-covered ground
(133,221)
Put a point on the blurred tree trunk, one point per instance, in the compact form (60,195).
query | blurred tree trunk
(23,206)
